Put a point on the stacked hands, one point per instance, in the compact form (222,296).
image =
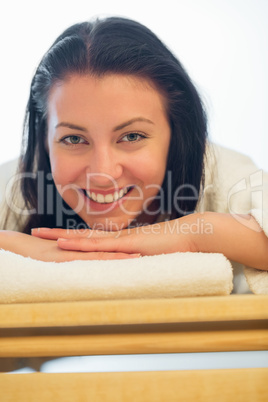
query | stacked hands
(65,245)
(207,232)
(90,244)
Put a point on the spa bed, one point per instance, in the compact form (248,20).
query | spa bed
(36,332)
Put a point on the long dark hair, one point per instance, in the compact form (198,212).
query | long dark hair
(121,46)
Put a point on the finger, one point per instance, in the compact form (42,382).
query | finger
(68,256)
(54,234)
(124,244)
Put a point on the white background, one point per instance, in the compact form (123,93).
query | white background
(222,43)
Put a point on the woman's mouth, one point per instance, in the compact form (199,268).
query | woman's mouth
(107,198)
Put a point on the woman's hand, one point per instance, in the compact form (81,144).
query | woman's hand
(159,238)
(48,250)
(238,237)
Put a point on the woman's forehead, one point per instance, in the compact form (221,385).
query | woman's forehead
(76,89)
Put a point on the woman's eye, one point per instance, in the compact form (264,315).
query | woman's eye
(132,137)
(73,140)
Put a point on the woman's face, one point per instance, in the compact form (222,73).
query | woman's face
(108,142)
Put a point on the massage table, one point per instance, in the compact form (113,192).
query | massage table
(150,326)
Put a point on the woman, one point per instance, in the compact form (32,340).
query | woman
(116,162)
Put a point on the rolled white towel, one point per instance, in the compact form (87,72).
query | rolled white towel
(24,280)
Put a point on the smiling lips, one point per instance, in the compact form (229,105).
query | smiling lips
(108,198)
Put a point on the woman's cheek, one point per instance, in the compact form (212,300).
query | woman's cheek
(151,169)
(63,170)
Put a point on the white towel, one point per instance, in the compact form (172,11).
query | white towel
(257,280)
(24,280)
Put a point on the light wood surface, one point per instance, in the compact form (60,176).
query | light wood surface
(240,385)
(205,324)
(134,343)
(113,312)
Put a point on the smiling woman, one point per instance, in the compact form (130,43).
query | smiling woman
(116,162)
(101,85)
(114,123)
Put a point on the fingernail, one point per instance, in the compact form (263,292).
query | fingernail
(41,229)
(135,255)
(63,239)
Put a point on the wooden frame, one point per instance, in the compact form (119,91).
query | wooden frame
(205,324)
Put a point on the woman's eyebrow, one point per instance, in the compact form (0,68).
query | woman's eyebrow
(71,126)
(129,122)
(117,128)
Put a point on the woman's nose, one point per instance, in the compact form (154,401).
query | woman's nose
(105,167)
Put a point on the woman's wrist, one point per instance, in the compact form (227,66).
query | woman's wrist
(9,240)
(238,237)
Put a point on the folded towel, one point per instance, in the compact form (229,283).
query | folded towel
(24,280)
(257,280)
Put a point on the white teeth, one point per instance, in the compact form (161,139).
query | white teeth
(107,199)
(100,198)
